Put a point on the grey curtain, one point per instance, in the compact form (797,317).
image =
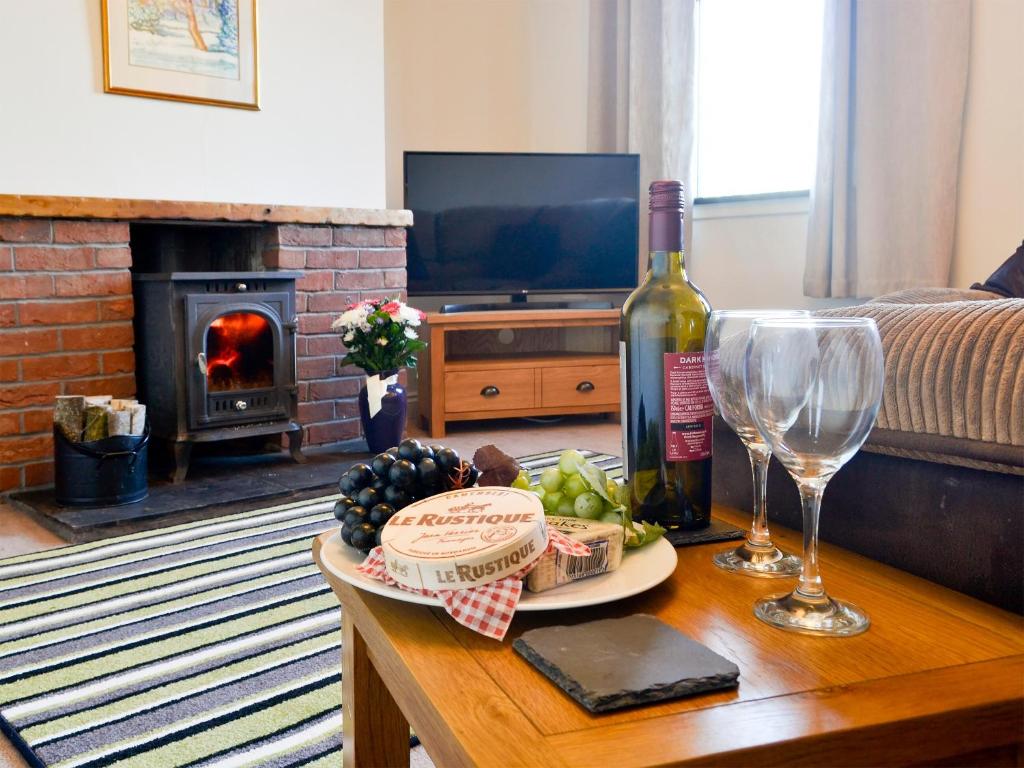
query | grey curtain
(642,88)
(883,206)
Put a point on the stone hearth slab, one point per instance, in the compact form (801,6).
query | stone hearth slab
(230,485)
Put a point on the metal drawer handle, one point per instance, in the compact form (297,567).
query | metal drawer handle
(490,391)
(585,386)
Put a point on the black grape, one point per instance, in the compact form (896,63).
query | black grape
(367,498)
(447,459)
(380,514)
(428,475)
(346,534)
(363,537)
(342,506)
(396,496)
(382,463)
(410,449)
(361,474)
(355,516)
(402,473)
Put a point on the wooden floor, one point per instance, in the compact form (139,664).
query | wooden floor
(19,534)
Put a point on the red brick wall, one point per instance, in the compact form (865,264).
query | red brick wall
(65,324)
(342,265)
(65,328)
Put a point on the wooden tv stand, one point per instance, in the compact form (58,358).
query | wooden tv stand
(457,385)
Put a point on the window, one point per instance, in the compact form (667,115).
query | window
(758,68)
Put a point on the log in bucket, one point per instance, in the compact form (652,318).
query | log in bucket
(101,473)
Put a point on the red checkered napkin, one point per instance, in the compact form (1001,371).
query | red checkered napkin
(487,609)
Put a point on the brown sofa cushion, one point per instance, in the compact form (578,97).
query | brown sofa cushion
(954,381)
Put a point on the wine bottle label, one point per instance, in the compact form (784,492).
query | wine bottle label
(688,407)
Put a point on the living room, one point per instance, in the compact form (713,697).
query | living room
(248,246)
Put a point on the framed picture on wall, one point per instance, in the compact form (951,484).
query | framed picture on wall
(200,51)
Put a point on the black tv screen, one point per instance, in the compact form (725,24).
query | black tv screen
(521,223)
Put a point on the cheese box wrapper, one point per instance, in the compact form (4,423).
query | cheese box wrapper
(557,568)
(464,539)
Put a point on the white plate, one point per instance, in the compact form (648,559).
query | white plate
(640,570)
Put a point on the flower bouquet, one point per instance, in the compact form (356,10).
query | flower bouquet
(380,337)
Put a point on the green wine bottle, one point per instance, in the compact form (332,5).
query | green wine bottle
(666,405)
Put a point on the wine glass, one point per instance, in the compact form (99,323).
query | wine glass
(814,386)
(725,348)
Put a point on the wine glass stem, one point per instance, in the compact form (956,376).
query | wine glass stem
(760,456)
(811,490)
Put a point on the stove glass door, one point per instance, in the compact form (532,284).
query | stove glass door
(239,353)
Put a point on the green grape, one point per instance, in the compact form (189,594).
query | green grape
(611,517)
(574,485)
(522,481)
(588,505)
(569,462)
(551,479)
(551,500)
(538,490)
(565,507)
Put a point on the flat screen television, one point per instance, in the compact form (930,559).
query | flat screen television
(514,224)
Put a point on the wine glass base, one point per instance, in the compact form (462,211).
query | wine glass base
(822,615)
(751,560)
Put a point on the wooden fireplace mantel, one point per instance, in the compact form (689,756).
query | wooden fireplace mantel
(49,206)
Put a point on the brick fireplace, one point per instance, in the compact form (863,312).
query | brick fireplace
(66,306)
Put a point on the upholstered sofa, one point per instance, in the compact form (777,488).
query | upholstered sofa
(938,489)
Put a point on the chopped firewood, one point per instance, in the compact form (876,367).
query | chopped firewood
(138,413)
(96,417)
(119,423)
(123,405)
(98,400)
(69,416)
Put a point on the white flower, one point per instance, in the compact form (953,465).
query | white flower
(351,319)
(409,315)
(349,337)
(410,334)
(382,342)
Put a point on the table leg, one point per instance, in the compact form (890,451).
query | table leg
(374,730)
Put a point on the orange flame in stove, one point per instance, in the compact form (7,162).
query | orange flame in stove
(233,339)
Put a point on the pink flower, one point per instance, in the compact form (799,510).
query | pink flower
(356,304)
(392,308)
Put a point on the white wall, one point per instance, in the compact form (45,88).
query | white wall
(491,76)
(318,140)
(990,206)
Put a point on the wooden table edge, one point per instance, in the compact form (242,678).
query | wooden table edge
(815,727)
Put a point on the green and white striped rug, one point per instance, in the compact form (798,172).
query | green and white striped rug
(206,644)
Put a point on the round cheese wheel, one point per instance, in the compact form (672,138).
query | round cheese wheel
(464,539)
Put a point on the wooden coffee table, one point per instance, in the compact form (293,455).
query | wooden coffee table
(937,679)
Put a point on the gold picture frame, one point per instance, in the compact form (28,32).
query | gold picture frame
(195,51)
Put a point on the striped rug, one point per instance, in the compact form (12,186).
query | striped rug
(206,644)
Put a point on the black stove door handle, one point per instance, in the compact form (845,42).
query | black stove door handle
(201,362)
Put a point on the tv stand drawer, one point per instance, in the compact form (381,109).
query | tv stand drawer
(489,390)
(580,385)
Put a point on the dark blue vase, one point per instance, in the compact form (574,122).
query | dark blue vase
(386,428)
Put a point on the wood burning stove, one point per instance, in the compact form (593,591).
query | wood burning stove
(215,357)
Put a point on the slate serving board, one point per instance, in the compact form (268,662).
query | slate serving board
(587,662)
